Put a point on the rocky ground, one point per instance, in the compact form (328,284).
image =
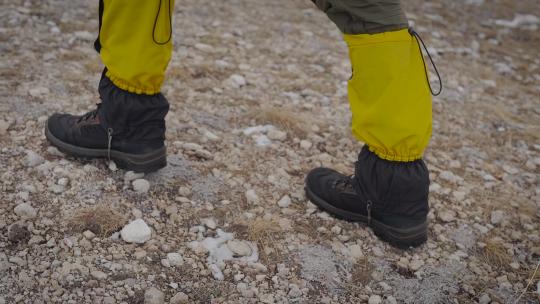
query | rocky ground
(258,98)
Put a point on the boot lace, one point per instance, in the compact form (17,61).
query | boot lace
(90,115)
(344,184)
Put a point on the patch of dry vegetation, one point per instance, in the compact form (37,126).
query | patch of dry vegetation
(101,219)
(495,254)
(283,118)
(360,276)
(361,272)
(264,232)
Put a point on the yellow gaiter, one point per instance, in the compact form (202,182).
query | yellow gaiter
(389,96)
(136,43)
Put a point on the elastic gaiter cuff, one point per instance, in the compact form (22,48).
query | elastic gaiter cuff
(138,117)
(395,188)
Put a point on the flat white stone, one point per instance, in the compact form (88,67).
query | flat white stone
(136,232)
(239,248)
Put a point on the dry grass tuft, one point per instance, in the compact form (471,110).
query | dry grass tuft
(360,276)
(102,220)
(263,229)
(284,119)
(495,255)
(530,126)
(361,272)
(264,232)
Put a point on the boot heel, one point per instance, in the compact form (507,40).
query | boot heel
(401,238)
(141,163)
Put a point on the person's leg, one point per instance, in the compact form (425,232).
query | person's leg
(129,125)
(391,113)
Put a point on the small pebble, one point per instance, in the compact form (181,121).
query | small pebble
(98,275)
(89,234)
(306,145)
(180,298)
(497,217)
(284,202)
(33,159)
(484,299)
(414,265)
(154,296)
(375,299)
(131,176)
(175,259)
(236,81)
(447,215)
(252,197)
(25,211)
(141,185)
(210,223)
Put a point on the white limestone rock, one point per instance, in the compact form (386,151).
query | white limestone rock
(136,232)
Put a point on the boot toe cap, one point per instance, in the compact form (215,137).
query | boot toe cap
(319,181)
(58,125)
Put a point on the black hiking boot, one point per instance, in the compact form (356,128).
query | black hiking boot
(390,197)
(127,128)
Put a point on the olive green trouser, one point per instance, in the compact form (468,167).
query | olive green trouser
(364,16)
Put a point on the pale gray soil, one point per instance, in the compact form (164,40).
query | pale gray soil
(60,217)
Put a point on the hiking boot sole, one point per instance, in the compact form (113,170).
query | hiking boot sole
(144,163)
(399,237)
